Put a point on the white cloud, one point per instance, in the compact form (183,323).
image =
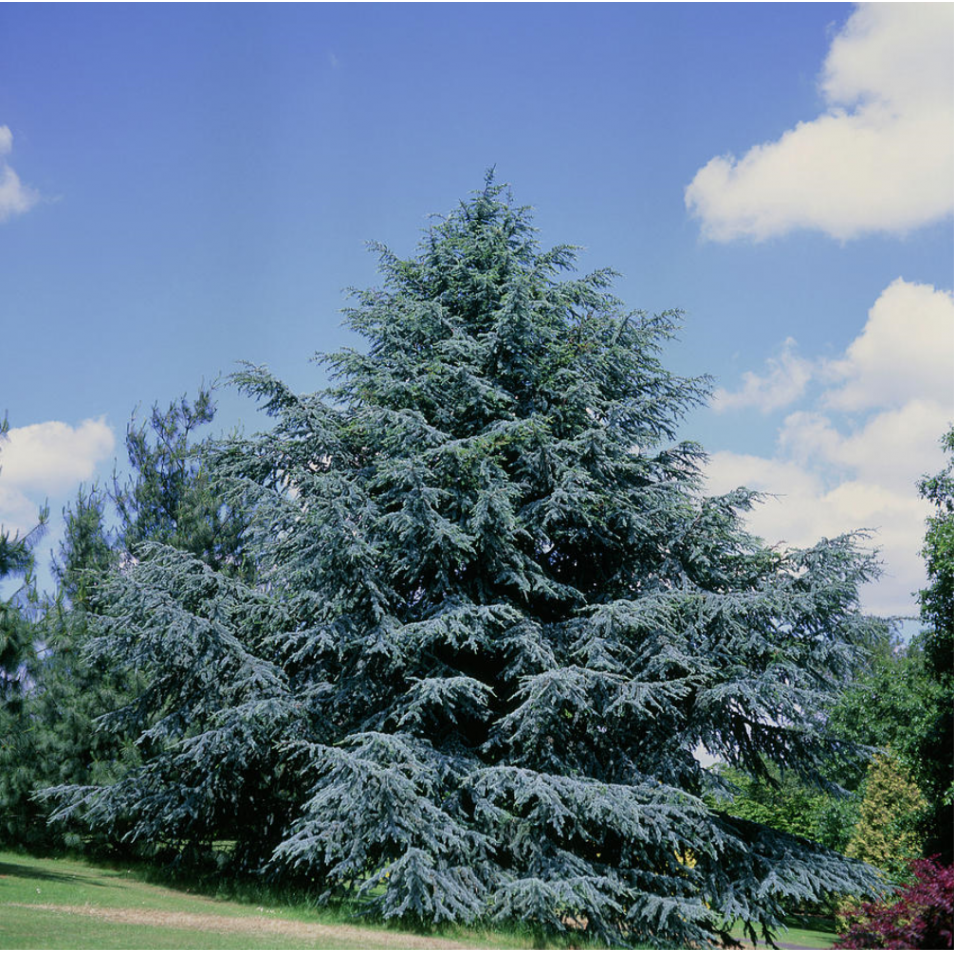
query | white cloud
(834,475)
(806,510)
(15,197)
(18,513)
(891,449)
(47,459)
(905,351)
(783,383)
(880,159)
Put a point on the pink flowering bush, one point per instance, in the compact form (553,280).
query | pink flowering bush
(920,917)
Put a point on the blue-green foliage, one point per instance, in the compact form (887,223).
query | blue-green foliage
(493,618)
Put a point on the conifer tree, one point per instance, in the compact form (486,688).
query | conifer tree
(72,690)
(16,637)
(57,740)
(494,618)
(18,666)
(884,835)
(168,497)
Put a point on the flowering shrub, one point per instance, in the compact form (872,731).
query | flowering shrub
(920,917)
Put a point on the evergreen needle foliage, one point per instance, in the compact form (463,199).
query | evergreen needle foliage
(18,666)
(884,835)
(50,731)
(493,618)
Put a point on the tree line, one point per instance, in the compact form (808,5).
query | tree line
(444,640)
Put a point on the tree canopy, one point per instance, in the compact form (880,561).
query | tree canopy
(934,760)
(18,666)
(55,694)
(16,636)
(493,617)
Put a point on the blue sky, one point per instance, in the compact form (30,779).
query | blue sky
(186,186)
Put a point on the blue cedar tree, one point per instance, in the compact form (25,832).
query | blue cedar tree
(494,617)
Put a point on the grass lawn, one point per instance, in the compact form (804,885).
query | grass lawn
(810,932)
(59,903)
(801,931)
(47,903)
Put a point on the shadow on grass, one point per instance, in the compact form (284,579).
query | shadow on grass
(36,873)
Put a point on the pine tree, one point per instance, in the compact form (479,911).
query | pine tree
(16,638)
(57,740)
(169,497)
(18,666)
(494,618)
(72,690)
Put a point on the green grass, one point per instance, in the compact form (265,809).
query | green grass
(26,929)
(34,893)
(801,930)
(182,918)
(808,931)
(59,883)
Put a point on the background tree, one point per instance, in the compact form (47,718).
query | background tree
(885,833)
(18,667)
(935,740)
(59,694)
(71,691)
(17,654)
(168,497)
(883,707)
(785,802)
(16,640)
(494,618)
(887,706)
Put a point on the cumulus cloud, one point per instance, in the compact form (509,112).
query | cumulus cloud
(879,159)
(804,509)
(833,474)
(905,351)
(48,459)
(891,449)
(783,382)
(15,197)
(18,513)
